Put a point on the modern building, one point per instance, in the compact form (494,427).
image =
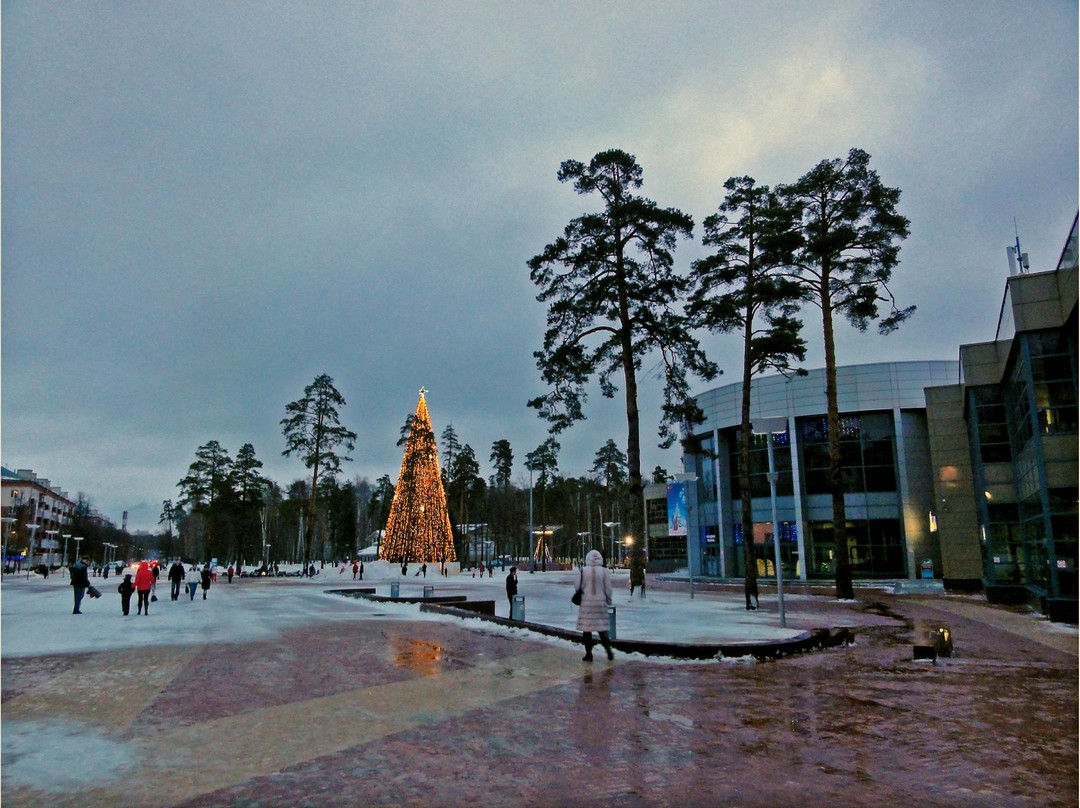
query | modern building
(1004,447)
(888,485)
(965,471)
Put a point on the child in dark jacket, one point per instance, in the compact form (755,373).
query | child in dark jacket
(125,589)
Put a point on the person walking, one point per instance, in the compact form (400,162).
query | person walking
(125,589)
(750,590)
(511,588)
(176,578)
(595,585)
(144,582)
(206,577)
(230,573)
(361,570)
(80,581)
(355,569)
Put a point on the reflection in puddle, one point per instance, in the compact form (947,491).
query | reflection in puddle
(422,658)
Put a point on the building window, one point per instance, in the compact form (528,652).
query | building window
(1054,380)
(990,426)
(759,464)
(1007,561)
(866,453)
(1018,407)
(875,549)
(704,451)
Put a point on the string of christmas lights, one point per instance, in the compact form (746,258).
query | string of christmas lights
(418,528)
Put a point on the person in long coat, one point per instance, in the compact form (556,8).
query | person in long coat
(595,585)
(144,582)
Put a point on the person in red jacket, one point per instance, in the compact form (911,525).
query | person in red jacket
(144,582)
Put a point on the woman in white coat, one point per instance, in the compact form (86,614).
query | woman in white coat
(595,586)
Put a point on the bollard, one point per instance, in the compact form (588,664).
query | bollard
(611,622)
(394,589)
(429,592)
(517,608)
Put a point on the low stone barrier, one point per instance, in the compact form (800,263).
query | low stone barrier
(460,606)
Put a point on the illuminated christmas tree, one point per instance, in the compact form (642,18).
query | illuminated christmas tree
(418,528)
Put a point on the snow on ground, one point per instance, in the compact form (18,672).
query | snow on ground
(36,618)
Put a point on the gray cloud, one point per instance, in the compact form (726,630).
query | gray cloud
(205,205)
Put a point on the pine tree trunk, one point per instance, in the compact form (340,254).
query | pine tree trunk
(746,497)
(636,487)
(841,560)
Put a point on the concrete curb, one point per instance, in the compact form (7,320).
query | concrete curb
(817,639)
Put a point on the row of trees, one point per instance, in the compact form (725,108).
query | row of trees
(613,296)
(228,509)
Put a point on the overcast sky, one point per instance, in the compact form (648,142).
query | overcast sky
(206,205)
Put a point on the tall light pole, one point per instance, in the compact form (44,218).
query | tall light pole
(532,565)
(30,550)
(612,525)
(66,537)
(12,519)
(50,534)
(581,546)
(77,539)
(769,426)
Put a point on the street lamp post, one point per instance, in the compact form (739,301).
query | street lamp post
(768,426)
(66,537)
(8,522)
(612,525)
(266,556)
(77,539)
(581,546)
(30,550)
(50,534)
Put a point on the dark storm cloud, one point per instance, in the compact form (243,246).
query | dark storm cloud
(205,205)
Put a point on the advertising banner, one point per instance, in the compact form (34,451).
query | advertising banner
(676,508)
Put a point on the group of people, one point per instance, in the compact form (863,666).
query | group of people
(143,584)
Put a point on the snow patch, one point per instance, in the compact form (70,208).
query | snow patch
(61,755)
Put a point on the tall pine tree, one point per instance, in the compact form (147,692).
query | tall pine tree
(850,235)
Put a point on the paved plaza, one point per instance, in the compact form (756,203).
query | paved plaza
(314,700)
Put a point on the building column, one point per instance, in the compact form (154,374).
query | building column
(903,491)
(723,516)
(797,496)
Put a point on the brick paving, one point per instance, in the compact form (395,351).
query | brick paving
(406,713)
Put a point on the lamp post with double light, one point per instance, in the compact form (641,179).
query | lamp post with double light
(611,557)
(768,427)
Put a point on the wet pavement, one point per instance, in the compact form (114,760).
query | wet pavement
(408,713)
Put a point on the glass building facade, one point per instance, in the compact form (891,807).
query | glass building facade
(1020,405)
(888,490)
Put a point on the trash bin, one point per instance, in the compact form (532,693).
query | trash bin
(394,589)
(517,608)
(429,592)
(928,568)
(611,621)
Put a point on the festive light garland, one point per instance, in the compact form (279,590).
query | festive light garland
(418,528)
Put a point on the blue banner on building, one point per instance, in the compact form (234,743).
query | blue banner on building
(676,509)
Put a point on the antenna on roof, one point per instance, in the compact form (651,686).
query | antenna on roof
(1016,257)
